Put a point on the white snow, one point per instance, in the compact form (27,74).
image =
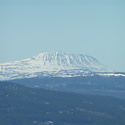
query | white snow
(111,74)
(57,64)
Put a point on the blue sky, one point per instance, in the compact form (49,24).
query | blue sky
(91,27)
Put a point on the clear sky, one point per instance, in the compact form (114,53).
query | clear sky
(91,27)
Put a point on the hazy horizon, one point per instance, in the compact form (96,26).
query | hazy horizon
(94,28)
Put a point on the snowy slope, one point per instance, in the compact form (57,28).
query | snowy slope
(55,64)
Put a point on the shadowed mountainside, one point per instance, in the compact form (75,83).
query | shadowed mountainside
(21,105)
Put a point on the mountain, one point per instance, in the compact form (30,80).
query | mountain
(57,64)
(21,105)
(65,72)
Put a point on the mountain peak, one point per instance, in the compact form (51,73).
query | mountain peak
(65,60)
(52,62)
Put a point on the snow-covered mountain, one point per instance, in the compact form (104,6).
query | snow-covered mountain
(51,64)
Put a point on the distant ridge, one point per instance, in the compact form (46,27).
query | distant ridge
(49,63)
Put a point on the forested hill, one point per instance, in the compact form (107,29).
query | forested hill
(93,84)
(21,105)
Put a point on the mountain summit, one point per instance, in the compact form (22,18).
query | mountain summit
(64,61)
(48,63)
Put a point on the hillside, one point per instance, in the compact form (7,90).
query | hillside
(21,105)
(91,84)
